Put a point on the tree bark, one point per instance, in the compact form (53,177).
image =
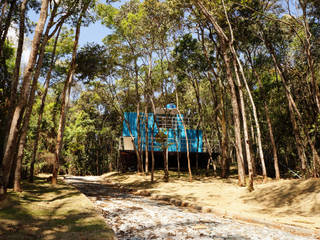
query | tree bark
(24,129)
(65,98)
(255,116)
(15,79)
(299,145)
(41,109)
(266,109)
(146,115)
(4,32)
(13,132)
(152,141)
(236,120)
(310,60)
(245,127)
(224,41)
(187,140)
(222,119)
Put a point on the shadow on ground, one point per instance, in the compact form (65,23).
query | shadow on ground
(45,212)
(299,197)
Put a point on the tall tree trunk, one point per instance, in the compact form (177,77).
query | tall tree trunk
(255,116)
(245,127)
(236,120)
(152,141)
(15,79)
(18,112)
(224,133)
(222,119)
(65,98)
(23,136)
(295,110)
(24,129)
(4,31)
(273,144)
(41,109)
(146,138)
(186,136)
(266,109)
(224,41)
(16,74)
(139,159)
(299,145)
(310,60)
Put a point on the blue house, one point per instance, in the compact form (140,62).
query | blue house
(165,130)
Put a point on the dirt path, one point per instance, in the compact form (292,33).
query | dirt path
(136,217)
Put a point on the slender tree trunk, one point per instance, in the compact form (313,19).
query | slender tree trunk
(245,127)
(266,109)
(299,144)
(308,35)
(273,144)
(23,136)
(16,72)
(186,136)
(15,79)
(24,129)
(13,132)
(146,138)
(224,136)
(236,120)
(152,141)
(223,39)
(255,116)
(222,120)
(65,98)
(139,159)
(41,109)
(25,125)
(236,58)
(4,32)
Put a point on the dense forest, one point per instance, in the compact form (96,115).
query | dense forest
(245,72)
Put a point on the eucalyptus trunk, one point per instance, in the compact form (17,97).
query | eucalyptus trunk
(236,120)
(186,137)
(41,109)
(65,98)
(255,116)
(27,115)
(299,142)
(146,139)
(266,110)
(19,109)
(224,41)
(7,21)
(245,127)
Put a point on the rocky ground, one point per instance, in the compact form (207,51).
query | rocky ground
(137,217)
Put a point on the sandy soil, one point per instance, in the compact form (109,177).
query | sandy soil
(135,217)
(285,202)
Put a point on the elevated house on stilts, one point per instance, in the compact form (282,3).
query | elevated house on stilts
(165,132)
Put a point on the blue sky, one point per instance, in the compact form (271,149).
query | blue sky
(95,32)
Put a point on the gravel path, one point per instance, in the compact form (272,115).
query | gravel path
(135,217)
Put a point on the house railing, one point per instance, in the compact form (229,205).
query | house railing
(179,145)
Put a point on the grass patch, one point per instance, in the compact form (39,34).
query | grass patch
(43,211)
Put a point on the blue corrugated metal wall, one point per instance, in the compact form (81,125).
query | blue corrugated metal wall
(176,137)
